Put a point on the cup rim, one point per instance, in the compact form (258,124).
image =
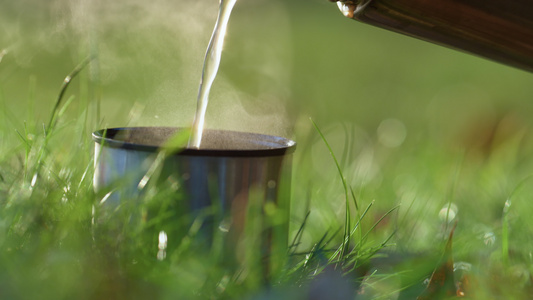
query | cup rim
(264,145)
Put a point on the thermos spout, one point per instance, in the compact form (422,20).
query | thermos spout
(494,29)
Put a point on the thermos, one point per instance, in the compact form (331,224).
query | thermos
(500,30)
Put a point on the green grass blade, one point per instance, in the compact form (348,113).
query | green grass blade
(379,221)
(345,186)
(63,89)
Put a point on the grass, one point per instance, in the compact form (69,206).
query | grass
(59,241)
(368,221)
(58,235)
(55,245)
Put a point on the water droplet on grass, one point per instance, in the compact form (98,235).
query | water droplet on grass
(162,240)
(33,181)
(224,226)
(489,238)
(162,245)
(448,212)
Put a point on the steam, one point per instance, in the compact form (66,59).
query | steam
(150,57)
(2,53)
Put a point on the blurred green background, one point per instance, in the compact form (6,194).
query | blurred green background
(411,123)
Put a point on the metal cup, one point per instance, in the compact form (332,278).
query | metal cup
(246,176)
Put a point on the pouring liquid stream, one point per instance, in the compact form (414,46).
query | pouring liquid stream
(211,65)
